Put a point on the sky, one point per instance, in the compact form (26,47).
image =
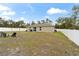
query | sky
(29,12)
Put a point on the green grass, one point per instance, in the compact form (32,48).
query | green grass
(38,43)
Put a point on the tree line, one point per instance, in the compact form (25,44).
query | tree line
(20,23)
(71,22)
(47,20)
(11,23)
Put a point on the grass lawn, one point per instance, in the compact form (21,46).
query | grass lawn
(38,43)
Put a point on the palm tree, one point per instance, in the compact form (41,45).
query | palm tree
(1,22)
(75,14)
(75,11)
(43,21)
(39,22)
(33,23)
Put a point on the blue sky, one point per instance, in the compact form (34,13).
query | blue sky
(35,11)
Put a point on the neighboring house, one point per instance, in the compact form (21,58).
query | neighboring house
(46,27)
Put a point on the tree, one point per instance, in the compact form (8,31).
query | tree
(65,22)
(75,11)
(1,22)
(33,23)
(20,24)
(75,14)
(60,20)
(5,23)
(39,22)
(43,21)
(48,20)
(10,23)
(28,24)
(69,22)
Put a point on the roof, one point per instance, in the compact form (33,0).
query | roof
(42,25)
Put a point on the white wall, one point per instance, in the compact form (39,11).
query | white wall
(71,34)
(12,29)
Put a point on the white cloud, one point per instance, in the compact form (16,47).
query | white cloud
(6,11)
(19,18)
(55,11)
(4,8)
(22,18)
(10,13)
(46,17)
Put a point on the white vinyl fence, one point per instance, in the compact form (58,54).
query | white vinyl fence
(71,34)
(11,29)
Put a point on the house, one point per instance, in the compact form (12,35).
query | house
(46,27)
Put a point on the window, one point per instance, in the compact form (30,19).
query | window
(34,28)
(40,29)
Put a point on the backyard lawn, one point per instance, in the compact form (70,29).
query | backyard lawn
(38,44)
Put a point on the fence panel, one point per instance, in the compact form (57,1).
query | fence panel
(12,29)
(71,34)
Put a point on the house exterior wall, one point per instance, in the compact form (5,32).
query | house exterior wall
(43,29)
(47,29)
